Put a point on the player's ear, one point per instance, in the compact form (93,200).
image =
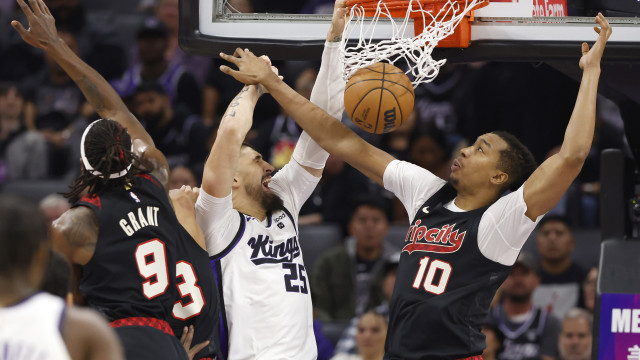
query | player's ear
(499,178)
(236,182)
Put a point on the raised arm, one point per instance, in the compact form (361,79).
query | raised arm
(327,93)
(329,133)
(222,163)
(548,183)
(42,34)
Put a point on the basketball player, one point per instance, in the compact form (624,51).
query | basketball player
(124,233)
(249,220)
(195,319)
(464,237)
(38,325)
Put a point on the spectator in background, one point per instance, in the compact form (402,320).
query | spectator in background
(179,85)
(589,289)
(529,332)
(372,331)
(560,278)
(97,38)
(277,137)
(23,152)
(429,149)
(57,277)
(57,109)
(52,206)
(338,192)
(347,344)
(181,175)
(180,135)
(167,12)
(343,277)
(575,337)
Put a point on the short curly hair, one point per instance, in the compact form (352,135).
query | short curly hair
(516,161)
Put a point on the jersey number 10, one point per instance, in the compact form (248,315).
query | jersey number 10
(428,284)
(151,259)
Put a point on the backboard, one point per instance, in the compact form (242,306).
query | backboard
(211,26)
(502,31)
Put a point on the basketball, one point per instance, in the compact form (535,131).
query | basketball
(379,98)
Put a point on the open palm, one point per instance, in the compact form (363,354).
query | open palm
(42,29)
(591,57)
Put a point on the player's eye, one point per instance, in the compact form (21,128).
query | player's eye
(480,149)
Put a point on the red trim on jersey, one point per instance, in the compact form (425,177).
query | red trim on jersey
(195,284)
(477,357)
(148,177)
(144,321)
(92,199)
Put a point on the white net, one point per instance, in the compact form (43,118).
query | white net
(415,51)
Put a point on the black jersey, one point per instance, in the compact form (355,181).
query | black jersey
(132,272)
(443,287)
(537,335)
(199,302)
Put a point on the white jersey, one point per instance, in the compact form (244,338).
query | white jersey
(260,270)
(31,329)
(503,228)
(258,264)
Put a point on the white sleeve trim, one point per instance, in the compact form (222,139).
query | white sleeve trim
(504,228)
(218,220)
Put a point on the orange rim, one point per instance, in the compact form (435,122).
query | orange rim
(398,8)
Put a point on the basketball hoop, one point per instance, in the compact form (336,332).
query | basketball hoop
(444,23)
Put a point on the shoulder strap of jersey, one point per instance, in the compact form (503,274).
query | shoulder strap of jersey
(442,196)
(93,202)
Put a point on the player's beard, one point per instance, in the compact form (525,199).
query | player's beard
(269,200)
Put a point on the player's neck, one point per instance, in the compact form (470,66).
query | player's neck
(556,267)
(249,207)
(12,291)
(468,202)
(513,308)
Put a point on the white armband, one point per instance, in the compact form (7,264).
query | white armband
(328,94)
(309,153)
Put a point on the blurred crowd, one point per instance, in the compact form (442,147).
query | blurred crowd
(180,98)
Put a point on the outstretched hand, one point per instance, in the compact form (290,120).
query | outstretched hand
(338,21)
(42,29)
(252,70)
(591,58)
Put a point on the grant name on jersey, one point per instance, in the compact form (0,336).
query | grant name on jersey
(137,220)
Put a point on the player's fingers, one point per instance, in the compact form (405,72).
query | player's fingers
(585,48)
(35,7)
(45,8)
(25,8)
(266,59)
(42,7)
(189,336)
(229,71)
(19,28)
(238,53)
(230,58)
(183,337)
(196,348)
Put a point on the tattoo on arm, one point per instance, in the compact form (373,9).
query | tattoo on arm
(91,92)
(82,231)
(236,102)
(336,38)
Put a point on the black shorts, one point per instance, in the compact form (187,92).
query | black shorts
(147,342)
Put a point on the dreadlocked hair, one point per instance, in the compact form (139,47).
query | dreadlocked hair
(107,148)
